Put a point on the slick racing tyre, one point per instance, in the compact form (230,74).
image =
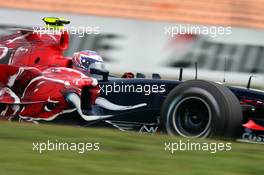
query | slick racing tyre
(199,108)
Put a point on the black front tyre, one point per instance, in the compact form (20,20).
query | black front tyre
(198,108)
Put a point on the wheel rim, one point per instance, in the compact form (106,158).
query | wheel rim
(192,117)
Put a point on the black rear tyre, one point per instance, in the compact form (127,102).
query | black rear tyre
(198,108)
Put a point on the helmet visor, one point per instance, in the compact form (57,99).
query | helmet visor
(85,61)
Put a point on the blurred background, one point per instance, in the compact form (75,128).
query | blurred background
(136,35)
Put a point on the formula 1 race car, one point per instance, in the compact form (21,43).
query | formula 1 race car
(38,84)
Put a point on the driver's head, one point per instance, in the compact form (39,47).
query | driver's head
(87,59)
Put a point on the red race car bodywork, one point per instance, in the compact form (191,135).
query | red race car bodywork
(38,77)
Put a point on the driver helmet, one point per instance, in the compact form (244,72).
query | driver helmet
(87,59)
